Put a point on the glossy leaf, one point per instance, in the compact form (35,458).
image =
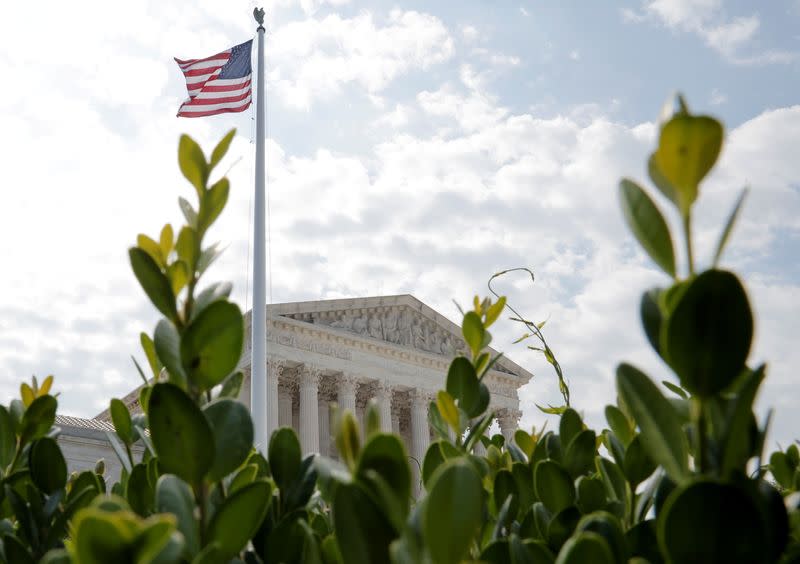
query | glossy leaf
(620,425)
(152,248)
(232,386)
(212,344)
(167,344)
(608,527)
(737,445)
(215,292)
(494,311)
(433,459)
(652,318)
(181,434)
(591,494)
(174,496)
(553,486)
(166,240)
(473,331)
(688,147)
(638,465)
(233,436)
(149,348)
(363,532)
(348,440)
(586,547)
(647,225)
(239,517)
(122,420)
(48,468)
(643,543)
(712,522)
(284,457)
(561,527)
(505,487)
(212,204)
(178,276)
(154,283)
(723,239)
(569,426)
(37,419)
(452,513)
(187,247)
(709,333)
(448,409)
(188,211)
(677,390)
(385,454)
(8,439)
(193,163)
(463,385)
(613,480)
(525,442)
(580,453)
(661,430)
(221,149)
(139,492)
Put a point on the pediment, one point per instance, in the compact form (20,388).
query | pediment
(402,320)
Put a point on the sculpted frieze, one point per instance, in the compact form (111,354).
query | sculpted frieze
(399,326)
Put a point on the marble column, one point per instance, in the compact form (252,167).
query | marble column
(396,421)
(420,433)
(508,420)
(383,396)
(309,409)
(324,427)
(274,370)
(285,404)
(479,449)
(347,393)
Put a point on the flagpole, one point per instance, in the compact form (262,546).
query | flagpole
(258,359)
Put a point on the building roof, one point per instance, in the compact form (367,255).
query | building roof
(81,423)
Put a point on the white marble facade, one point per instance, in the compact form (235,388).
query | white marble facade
(394,350)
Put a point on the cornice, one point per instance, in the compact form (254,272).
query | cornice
(339,344)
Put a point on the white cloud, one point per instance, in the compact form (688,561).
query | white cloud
(433,214)
(717,98)
(314,59)
(731,37)
(311,6)
(470,33)
(397,118)
(472,111)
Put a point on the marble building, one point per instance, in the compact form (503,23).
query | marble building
(394,350)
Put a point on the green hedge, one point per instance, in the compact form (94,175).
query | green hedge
(677,479)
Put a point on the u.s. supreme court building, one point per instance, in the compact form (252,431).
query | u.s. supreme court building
(393,349)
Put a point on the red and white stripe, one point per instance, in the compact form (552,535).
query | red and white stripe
(209,95)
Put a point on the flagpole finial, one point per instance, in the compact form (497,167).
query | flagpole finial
(258,14)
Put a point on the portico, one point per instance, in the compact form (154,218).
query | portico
(394,350)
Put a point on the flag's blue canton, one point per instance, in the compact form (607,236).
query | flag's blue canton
(238,66)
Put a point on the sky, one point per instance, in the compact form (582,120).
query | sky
(413,147)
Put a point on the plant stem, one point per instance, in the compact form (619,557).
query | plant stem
(130,454)
(687,232)
(200,496)
(702,443)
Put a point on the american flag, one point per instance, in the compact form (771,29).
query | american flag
(218,84)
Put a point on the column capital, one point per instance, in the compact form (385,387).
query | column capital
(384,391)
(310,375)
(349,382)
(276,365)
(420,398)
(508,419)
